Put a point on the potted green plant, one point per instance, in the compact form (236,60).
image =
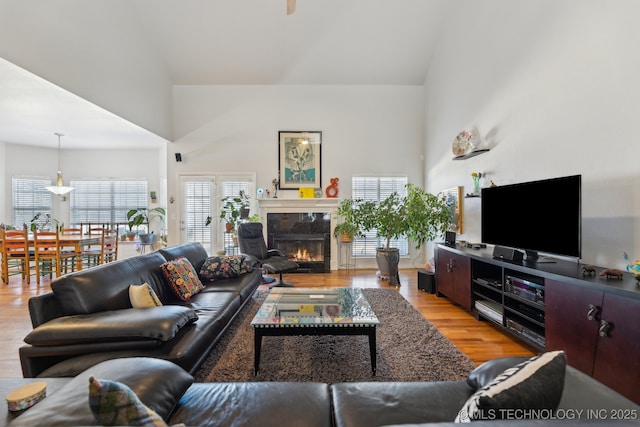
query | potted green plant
(245,204)
(42,221)
(143,216)
(230,212)
(350,226)
(419,216)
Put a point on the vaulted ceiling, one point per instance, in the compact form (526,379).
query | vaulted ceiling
(64,60)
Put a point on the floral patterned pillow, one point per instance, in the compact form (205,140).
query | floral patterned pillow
(182,277)
(224,267)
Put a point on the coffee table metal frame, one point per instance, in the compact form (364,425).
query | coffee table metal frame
(280,327)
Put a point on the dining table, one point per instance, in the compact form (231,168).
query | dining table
(75,241)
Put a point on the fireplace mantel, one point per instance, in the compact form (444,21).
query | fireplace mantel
(271,203)
(279,205)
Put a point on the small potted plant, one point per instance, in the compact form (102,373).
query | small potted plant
(350,226)
(42,221)
(230,213)
(143,216)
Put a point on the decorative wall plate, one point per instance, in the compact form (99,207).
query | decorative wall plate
(464,143)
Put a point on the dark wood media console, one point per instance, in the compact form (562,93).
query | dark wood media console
(552,306)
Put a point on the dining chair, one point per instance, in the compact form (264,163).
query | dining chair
(48,255)
(69,262)
(109,245)
(93,255)
(16,257)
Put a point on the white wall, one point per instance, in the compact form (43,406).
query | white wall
(30,161)
(553,91)
(93,50)
(4,219)
(366,130)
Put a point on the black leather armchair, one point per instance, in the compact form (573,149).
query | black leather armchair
(251,242)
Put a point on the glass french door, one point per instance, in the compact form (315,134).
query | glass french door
(198,204)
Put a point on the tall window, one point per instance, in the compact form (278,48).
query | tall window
(29,196)
(106,200)
(373,188)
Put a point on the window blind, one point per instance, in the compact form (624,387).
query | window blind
(374,188)
(197,205)
(104,201)
(29,196)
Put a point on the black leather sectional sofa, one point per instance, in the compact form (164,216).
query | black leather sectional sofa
(169,391)
(88,318)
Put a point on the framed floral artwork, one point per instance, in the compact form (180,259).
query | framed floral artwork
(299,159)
(453,199)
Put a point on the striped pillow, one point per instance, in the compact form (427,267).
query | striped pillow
(531,389)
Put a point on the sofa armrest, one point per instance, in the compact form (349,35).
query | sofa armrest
(43,308)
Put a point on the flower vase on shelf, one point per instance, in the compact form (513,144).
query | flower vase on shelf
(476,183)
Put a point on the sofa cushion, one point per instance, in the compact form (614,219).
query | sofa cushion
(182,277)
(156,323)
(194,252)
(223,267)
(534,384)
(488,371)
(264,404)
(106,287)
(159,384)
(143,296)
(114,404)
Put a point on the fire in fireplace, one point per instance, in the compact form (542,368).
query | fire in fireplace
(304,237)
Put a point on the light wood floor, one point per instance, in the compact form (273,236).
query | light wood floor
(479,340)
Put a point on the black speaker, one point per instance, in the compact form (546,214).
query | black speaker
(450,238)
(426,281)
(507,254)
(178,157)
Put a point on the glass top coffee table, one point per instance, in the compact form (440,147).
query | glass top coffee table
(315,311)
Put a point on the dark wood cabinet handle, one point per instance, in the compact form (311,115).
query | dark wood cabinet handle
(452,263)
(592,312)
(605,326)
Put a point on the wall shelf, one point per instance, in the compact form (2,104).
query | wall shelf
(471,154)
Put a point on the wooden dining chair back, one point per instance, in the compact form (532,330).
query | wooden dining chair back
(70,254)
(48,254)
(93,255)
(16,257)
(109,245)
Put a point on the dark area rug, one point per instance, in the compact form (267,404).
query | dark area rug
(409,348)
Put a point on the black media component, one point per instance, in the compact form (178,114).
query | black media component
(450,238)
(507,254)
(178,157)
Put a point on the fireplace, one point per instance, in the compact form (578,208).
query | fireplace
(304,237)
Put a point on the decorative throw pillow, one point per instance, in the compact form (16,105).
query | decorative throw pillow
(143,296)
(182,277)
(115,404)
(535,384)
(224,267)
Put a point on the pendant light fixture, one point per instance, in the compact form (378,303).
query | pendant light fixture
(60,189)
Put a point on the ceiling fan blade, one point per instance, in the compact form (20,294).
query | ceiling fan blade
(291,6)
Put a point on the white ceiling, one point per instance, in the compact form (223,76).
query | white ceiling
(212,42)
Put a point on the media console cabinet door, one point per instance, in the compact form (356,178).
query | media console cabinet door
(617,363)
(567,324)
(454,277)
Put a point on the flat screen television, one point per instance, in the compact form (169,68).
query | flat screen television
(537,216)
